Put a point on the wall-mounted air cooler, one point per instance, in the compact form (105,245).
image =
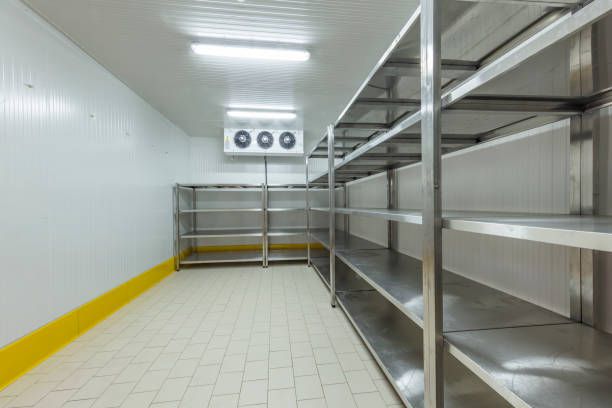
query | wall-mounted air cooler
(260,142)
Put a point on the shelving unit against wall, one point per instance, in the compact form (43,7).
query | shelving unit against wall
(189,206)
(189,232)
(431,329)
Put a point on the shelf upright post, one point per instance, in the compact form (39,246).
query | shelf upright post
(392,198)
(332,213)
(582,186)
(307,212)
(264,205)
(347,218)
(433,343)
(177,229)
(194,218)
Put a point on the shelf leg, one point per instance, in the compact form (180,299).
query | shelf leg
(307,198)
(332,213)
(433,346)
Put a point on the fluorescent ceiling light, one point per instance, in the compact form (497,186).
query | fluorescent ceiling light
(242,51)
(261,114)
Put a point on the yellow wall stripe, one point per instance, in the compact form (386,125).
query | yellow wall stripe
(30,350)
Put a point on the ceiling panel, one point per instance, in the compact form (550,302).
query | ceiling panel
(145,43)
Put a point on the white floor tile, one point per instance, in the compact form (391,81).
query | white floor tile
(55,399)
(281,378)
(94,388)
(206,375)
(151,381)
(369,400)
(253,392)
(331,374)
(284,398)
(360,381)
(196,397)
(304,366)
(228,383)
(308,387)
(256,370)
(339,395)
(314,403)
(139,400)
(114,395)
(224,401)
(172,390)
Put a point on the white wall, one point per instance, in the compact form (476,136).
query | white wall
(524,173)
(86,168)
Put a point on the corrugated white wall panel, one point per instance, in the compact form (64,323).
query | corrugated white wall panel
(524,173)
(86,168)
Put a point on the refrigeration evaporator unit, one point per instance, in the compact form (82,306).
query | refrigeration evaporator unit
(263,142)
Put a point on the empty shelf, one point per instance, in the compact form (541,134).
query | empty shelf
(344,241)
(279,232)
(287,255)
(222,257)
(220,233)
(397,345)
(591,232)
(220,210)
(286,209)
(468,305)
(567,365)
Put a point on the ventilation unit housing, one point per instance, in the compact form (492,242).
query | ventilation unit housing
(263,142)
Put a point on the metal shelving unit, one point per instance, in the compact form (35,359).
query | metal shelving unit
(431,329)
(185,237)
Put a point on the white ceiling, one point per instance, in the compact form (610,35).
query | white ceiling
(145,43)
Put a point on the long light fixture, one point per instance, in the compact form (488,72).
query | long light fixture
(250,52)
(246,114)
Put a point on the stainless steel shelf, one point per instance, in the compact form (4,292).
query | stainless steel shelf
(285,232)
(568,365)
(279,255)
(220,210)
(222,257)
(590,232)
(397,345)
(468,305)
(221,233)
(287,209)
(233,187)
(344,241)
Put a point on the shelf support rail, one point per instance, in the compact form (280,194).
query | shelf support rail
(332,213)
(431,108)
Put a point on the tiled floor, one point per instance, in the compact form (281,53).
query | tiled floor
(215,337)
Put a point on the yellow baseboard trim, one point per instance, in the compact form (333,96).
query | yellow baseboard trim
(254,247)
(27,352)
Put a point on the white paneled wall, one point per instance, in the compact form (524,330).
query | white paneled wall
(527,172)
(86,168)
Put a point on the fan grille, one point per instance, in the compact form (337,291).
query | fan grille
(242,139)
(265,139)
(287,140)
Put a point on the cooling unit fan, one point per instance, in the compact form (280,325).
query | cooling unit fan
(287,140)
(242,139)
(265,139)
